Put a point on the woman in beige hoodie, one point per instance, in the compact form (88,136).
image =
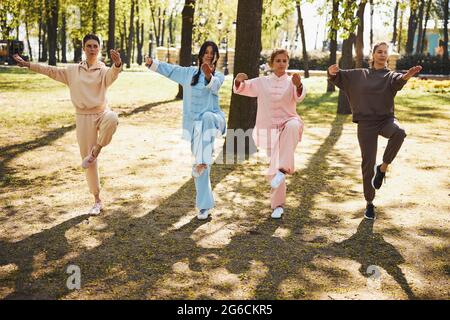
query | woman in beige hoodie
(95,122)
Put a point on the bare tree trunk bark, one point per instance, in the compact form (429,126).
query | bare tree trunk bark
(302,33)
(248,48)
(359,43)
(333,41)
(186,38)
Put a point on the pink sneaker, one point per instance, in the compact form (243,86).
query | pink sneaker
(89,160)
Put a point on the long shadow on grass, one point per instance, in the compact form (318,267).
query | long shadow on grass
(10,152)
(142,250)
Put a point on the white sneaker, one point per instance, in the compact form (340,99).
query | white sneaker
(197,173)
(203,214)
(276,214)
(277,180)
(89,160)
(95,210)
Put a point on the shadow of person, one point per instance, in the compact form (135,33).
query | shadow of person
(52,243)
(371,251)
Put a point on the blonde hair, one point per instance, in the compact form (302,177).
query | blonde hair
(375,47)
(275,53)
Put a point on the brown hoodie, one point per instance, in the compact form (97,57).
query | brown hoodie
(87,85)
(370,92)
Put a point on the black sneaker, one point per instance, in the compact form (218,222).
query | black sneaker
(378,177)
(370,212)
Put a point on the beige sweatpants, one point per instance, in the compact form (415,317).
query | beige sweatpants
(95,129)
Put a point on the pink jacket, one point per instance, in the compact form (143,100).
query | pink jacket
(277,102)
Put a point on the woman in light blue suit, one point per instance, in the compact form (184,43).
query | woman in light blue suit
(202,117)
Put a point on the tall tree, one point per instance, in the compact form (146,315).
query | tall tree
(424,33)
(246,59)
(302,33)
(394,33)
(349,23)
(412,26)
(63,37)
(445,47)
(130,34)
(420,25)
(359,41)
(111,26)
(187,16)
(371,23)
(400,32)
(139,35)
(94,15)
(332,35)
(52,27)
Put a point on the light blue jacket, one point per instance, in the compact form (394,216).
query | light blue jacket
(197,99)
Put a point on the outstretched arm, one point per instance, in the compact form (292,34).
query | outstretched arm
(181,75)
(58,74)
(399,80)
(245,87)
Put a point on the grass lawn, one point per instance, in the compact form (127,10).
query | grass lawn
(148,244)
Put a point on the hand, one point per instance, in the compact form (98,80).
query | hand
(207,70)
(20,61)
(333,69)
(296,80)
(412,72)
(115,57)
(241,77)
(148,62)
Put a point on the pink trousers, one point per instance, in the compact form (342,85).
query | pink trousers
(282,157)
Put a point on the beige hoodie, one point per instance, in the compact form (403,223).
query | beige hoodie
(87,85)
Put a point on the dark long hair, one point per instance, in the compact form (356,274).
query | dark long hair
(202,52)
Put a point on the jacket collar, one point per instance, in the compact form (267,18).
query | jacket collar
(273,76)
(97,65)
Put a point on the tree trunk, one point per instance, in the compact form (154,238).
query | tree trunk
(156,27)
(419,32)
(400,33)
(394,33)
(30,52)
(346,63)
(424,33)
(111,27)
(187,16)
(130,34)
(248,48)
(64,38)
(77,46)
(412,25)
(302,33)
(333,41)
(445,55)
(163,23)
(52,26)
(371,23)
(94,16)
(40,41)
(359,43)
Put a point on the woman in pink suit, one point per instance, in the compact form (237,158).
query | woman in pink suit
(278,127)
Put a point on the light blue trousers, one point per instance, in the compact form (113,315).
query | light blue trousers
(202,146)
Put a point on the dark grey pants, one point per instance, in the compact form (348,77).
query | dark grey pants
(368,132)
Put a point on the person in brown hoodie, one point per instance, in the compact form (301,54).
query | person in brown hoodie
(371,95)
(95,122)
